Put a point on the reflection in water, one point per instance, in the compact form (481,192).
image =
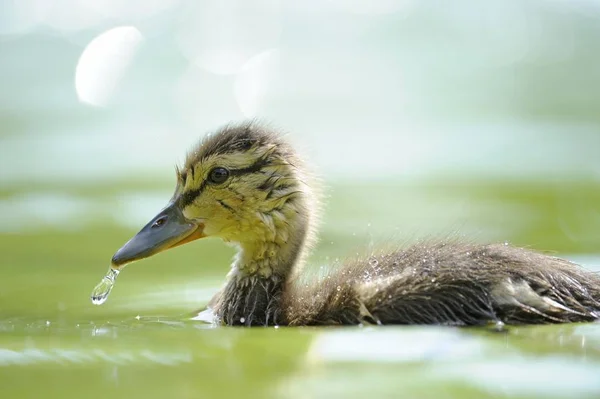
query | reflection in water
(429,361)
(33,356)
(573,339)
(187,295)
(549,361)
(590,335)
(553,376)
(386,345)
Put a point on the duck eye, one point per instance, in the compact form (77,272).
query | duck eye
(218,175)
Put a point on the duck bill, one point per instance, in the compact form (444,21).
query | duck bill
(166,230)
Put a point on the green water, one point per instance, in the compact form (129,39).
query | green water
(143,343)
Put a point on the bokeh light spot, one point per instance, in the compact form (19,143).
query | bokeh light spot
(252,82)
(104,62)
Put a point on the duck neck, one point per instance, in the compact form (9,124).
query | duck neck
(261,268)
(274,258)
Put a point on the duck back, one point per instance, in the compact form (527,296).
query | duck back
(448,283)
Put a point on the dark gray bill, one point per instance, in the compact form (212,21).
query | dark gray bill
(166,230)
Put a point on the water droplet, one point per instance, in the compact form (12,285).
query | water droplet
(102,290)
(373,262)
(339,288)
(433,280)
(47,322)
(242,320)
(276,326)
(506,243)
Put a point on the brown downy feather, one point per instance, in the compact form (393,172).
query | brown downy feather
(448,283)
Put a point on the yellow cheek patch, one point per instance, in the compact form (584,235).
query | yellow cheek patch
(194,177)
(241,196)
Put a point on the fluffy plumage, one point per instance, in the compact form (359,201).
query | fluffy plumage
(450,283)
(269,208)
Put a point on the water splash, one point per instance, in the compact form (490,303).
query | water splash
(102,290)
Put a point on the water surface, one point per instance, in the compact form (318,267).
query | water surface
(142,341)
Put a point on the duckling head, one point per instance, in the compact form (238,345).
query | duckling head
(246,185)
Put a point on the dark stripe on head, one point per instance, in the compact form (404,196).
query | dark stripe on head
(255,167)
(224,205)
(235,139)
(190,196)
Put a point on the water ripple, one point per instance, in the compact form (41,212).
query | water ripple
(33,356)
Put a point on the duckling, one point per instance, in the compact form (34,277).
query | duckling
(246,185)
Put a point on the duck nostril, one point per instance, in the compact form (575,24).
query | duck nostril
(159,222)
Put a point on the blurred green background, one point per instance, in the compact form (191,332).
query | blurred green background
(424,118)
